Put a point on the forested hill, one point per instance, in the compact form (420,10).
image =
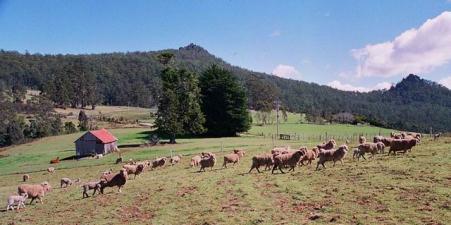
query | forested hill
(133,79)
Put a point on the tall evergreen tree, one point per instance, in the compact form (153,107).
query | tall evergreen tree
(179,107)
(224,103)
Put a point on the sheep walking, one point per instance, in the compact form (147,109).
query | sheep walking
(290,159)
(362,139)
(403,145)
(332,155)
(380,147)
(195,160)
(93,185)
(207,161)
(309,155)
(134,169)
(368,148)
(65,182)
(16,200)
(160,162)
(34,191)
(175,159)
(233,157)
(264,159)
(113,180)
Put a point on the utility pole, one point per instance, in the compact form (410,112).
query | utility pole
(277,102)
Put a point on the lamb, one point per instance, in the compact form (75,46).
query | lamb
(25,177)
(368,148)
(264,159)
(362,139)
(65,182)
(332,155)
(160,162)
(402,145)
(16,200)
(134,169)
(195,160)
(34,191)
(112,180)
(175,159)
(290,159)
(51,169)
(309,155)
(207,161)
(329,145)
(93,185)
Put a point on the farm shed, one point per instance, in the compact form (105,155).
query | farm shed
(95,142)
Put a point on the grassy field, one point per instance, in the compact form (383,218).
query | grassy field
(403,189)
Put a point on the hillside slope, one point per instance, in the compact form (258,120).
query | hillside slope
(133,79)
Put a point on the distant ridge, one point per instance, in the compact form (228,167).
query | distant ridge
(132,78)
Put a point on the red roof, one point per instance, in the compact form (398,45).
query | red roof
(103,135)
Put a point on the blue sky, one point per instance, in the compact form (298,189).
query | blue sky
(352,45)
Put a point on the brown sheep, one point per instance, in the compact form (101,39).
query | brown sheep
(195,161)
(380,147)
(289,159)
(93,185)
(386,140)
(112,180)
(34,191)
(329,145)
(309,155)
(160,162)
(134,169)
(233,157)
(25,177)
(332,155)
(402,145)
(207,161)
(264,159)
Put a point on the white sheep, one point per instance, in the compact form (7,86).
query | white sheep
(16,200)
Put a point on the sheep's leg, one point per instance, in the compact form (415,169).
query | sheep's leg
(257,169)
(32,199)
(280,168)
(40,200)
(363,156)
(341,160)
(334,162)
(251,169)
(274,168)
(120,189)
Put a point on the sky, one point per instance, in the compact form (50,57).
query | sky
(348,44)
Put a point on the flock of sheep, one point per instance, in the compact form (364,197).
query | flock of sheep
(278,158)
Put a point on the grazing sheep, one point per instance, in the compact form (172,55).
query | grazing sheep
(329,145)
(362,139)
(112,180)
(207,161)
(264,159)
(25,177)
(332,155)
(175,159)
(55,161)
(368,148)
(160,162)
(402,145)
(380,147)
(195,161)
(51,169)
(65,182)
(16,200)
(309,155)
(134,169)
(93,185)
(34,191)
(289,159)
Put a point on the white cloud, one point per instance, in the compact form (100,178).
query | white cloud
(414,51)
(446,81)
(286,71)
(348,87)
(275,33)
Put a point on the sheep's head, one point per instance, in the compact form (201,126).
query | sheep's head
(24,195)
(46,186)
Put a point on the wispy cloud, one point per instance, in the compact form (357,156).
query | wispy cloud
(446,81)
(348,87)
(416,50)
(286,71)
(275,33)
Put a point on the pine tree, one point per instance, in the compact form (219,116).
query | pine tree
(224,103)
(179,107)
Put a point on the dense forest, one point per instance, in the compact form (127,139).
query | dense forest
(133,79)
